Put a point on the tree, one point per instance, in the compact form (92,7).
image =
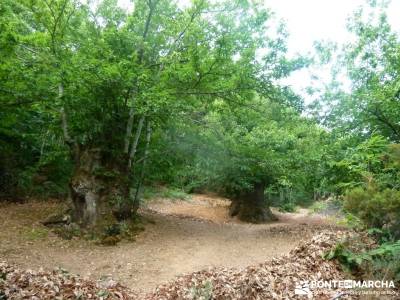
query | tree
(374,70)
(32,156)
(364,120)
(370,62)
(242,151)
(109,79)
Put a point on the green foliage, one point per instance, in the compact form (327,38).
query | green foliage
(177,194)
(68,232)
(362,163)
(35,233)
(380,209)
(231,149)
(370,61)
(287,207)
(203,292)
(205,79)
(33,159)
(330,206)
(363,119)
(319,206)
(347,258)
(77,74)
(149,192)
(112,230)
(372,193)
(165,192)
(103,294)
(381,262)
(111,234)
(353,222)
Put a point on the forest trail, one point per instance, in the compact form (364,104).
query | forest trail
(182,237)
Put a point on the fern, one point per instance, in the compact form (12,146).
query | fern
(384,259)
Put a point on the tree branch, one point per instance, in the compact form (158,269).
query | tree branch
(380,117)
(129,124)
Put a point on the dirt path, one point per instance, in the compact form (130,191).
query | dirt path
(186,236)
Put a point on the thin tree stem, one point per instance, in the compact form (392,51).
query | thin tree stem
(135,143)
(129,126)
(64,122)
(142,173)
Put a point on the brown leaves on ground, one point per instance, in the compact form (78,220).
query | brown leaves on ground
(273,279)
(58,284)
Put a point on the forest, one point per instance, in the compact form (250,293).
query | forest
(145,144)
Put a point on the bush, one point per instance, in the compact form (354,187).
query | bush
(203,292)
(318,207)
(165,192)
(331,206)
(175,194)
(287,207)
(376,209)
(370,262)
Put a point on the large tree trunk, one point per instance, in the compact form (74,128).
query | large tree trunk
(99,192)
(250,206)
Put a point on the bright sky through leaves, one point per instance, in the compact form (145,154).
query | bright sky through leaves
(313,20)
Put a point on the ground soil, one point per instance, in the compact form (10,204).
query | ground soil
(182,237)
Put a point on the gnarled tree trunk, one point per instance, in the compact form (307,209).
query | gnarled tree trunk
(250,206)
(99,191)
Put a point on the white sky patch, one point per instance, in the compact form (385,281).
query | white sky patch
(308,21)
(316,20)
(311,20)
(126,4)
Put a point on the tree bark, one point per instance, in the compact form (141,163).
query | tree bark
(146,154)
(99,199)
(135,143)
(251,206)
(128,133)
(85,189)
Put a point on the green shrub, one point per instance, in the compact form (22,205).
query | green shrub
(376,263)
(376,209)
(112,230)
(203,292)
(150,192)
(165,192)
(35,233)
(352,222)
(331,206)
(318,207)
(287,207)
(175,194)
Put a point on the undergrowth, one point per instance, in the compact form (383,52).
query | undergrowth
(287,207)
(375,256)
(165,192)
